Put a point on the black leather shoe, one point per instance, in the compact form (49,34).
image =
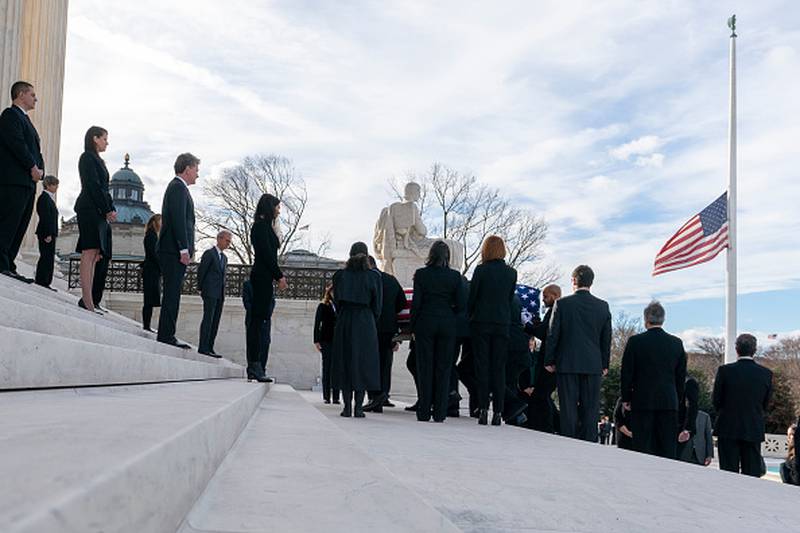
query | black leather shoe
(387,403)
(183,345)
(412,408)
(268,379)
(16,276)
(210,354)
(496,419)
(326,400)
(483,417)
(346,412)
(453,412)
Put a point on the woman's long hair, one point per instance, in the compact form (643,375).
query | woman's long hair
(493,248)
(266,207)
(439,255)
(327,297)
(88,139)
(358,262)
(791,441)
(154,221)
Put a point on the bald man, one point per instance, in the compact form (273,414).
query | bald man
(541,408)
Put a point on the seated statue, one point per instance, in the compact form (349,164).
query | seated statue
(401,242)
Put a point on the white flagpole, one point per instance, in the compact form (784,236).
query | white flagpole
(730,295)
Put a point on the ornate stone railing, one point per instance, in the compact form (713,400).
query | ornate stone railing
(126,276)
(775,446)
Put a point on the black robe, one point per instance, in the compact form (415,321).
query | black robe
(356,363)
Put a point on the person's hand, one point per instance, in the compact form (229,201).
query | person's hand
(185,258)
(605,372)
(625,431)
(708,461)
(48,239)
(111,216)
(319,346)
(282,284)
(36,174)
(626,406)
(550,368)
(683,436)
(528,391)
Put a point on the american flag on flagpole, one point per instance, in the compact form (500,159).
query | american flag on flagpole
(699,240)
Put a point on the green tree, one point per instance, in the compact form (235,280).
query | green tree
(781,412)
(609,389)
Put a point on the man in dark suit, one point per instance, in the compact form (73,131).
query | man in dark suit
(176,243)
(21,167)
(578,350)
(652,380)
(211,284)
(47,231)
(393,301)
(541,408)
(742,392)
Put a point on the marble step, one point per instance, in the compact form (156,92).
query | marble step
(35,360)
(30,317)
(115,459)
(65,303)
(293,470)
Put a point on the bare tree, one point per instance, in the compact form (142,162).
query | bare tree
(623,328)
(457,206)
(711,346)
(235,194)
(785,348)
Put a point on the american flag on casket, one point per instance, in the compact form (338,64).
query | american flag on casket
(528,296)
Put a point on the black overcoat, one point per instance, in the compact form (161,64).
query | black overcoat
(151,271)
(356,363)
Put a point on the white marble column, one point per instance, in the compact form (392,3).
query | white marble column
(38,38)
(10,31)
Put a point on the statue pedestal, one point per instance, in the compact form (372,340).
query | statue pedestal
(404,265)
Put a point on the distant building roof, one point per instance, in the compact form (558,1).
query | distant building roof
(307,259)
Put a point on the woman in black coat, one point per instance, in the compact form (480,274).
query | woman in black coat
(357,294)
(491,292)
(151,271)
(95,209)
(438,298)
(324,324)
(264,272)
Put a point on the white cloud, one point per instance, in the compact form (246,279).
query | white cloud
(617,135)
(641,146)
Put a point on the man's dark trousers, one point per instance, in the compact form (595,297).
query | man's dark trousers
(386,353)
(173,272)
(45,265)
(655,432)
(579,403)
(15,215)
(212,312)
(739,456)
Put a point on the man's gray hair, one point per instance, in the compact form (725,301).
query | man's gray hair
(654,314)
(224,232)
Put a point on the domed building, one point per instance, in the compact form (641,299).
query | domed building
(133,212)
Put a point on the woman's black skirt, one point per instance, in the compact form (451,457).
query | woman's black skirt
(93,231)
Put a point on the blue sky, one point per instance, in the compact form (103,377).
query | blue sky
(609,118)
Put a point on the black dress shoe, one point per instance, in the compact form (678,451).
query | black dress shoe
(326,400)
(210,354)
(336,402)
(183,345)
(387,403)
(346,412)
(483,417)
(412,408)
(14,275)
(496,419)
(453,412)
(268,379)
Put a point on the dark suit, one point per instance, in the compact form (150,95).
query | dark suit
(211,284)
(177,233)
(652,380)
(20,151)
(701,445)
(541,408)
(438,297)
(491,292)
(324,326)
(742,392)
(265,271)
(579,345)
(47,227)
(392,302)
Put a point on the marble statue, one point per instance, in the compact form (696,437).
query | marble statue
(401,241)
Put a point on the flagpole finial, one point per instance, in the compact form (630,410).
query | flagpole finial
(732,25)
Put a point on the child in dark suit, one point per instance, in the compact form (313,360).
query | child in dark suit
(324,324)
(47,231)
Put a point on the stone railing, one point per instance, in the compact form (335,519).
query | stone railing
(775,446)
(126,276)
